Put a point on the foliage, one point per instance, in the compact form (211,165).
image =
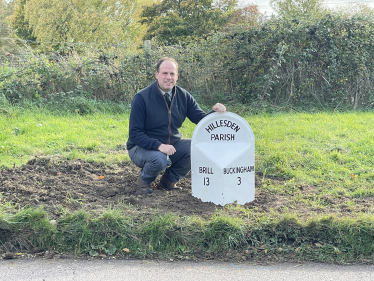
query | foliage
(247,16)
(172,21)
(57,78)
(6,9)
(354,8)
(7,47)
(328,61)
(19,22)
(95,22)
(299,9)
(325,62)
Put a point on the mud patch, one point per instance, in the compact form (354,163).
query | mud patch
(73,185)
(68,186)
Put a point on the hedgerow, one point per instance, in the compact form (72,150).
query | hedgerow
(325,62)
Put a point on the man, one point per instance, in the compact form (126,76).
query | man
(155,142)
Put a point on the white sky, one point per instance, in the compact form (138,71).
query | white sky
(264,4)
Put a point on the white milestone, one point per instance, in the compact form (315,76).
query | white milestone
(223,160)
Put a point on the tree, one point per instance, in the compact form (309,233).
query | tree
(174,21)
(348,10)
(299,9)
(6,8)
(246,16)
(19,23)
(89,21)
(7,40)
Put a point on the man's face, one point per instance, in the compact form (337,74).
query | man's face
(167,76)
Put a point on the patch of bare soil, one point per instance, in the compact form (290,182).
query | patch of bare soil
(72,185)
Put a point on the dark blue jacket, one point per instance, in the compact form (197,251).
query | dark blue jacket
(153,123)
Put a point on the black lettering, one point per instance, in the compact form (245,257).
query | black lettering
(206,170)
(222,137)
(222,123)
(238,170)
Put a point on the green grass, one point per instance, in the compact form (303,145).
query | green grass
(94,138)
(115,233)
(331,152)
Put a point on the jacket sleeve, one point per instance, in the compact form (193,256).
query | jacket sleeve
(138,118)
(194,112)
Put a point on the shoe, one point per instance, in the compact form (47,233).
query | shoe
(144,187)
(166,184)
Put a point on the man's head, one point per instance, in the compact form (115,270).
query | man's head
(166,73)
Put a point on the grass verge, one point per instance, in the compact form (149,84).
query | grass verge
(273,236)
(328,154)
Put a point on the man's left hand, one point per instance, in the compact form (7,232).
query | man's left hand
(219,107)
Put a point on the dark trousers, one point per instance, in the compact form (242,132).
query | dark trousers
(153,162)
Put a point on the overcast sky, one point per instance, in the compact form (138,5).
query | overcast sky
(264,4)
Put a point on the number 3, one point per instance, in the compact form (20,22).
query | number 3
(239,180)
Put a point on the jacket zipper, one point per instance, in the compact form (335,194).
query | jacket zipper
(169,112)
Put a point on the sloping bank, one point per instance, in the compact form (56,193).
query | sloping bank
(272,236)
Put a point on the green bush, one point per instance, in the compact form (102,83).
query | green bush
(325,62)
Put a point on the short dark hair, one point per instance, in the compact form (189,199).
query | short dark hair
(165,59)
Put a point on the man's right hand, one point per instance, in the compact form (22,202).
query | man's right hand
(167,149)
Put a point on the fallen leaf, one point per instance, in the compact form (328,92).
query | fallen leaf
(353,176)
(126,250)
(100,177)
